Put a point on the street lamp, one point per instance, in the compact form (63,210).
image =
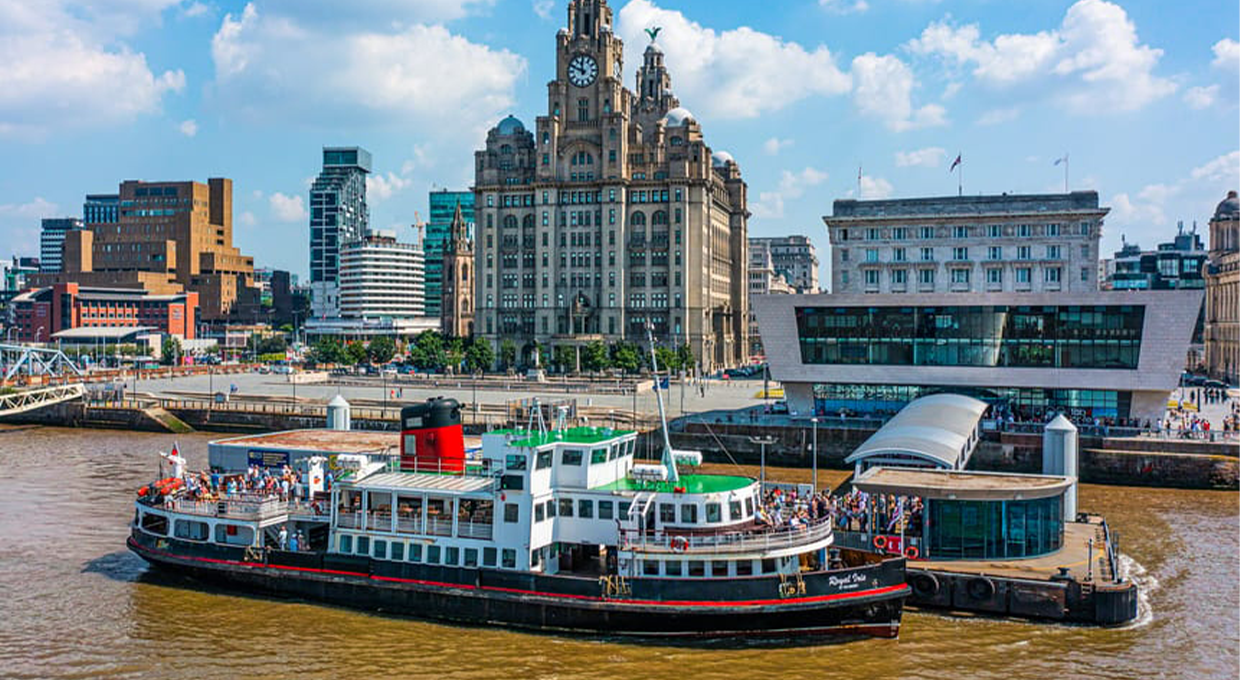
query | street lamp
(815,422)
(762,442)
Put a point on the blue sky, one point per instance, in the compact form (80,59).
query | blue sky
(1143,95)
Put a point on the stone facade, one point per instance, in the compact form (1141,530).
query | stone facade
(963,244)
(793,257)
(613,214)
(457,284)
(1222,331)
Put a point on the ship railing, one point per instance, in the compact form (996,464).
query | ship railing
(240,508)
(746,541)
(409,525)
(438,525)
(434,526)
(474,530)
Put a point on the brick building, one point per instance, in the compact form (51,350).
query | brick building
(40,313)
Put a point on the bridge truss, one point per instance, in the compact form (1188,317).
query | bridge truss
(22,359)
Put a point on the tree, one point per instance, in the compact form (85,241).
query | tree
(626,356)
(479,356)
(565,357)
(667,357)
(355,353)
(595,357)
(454,352)
(381,349)
(508,353)
(428,351)
(687,360)
(328,351)
(170,352)
(274,344)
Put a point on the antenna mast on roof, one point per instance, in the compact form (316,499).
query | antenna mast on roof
(669,459)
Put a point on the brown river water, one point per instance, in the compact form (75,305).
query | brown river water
(75,604)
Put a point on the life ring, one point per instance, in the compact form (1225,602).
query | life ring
(981,588)
(680,544)
(880,542)
(924,584)
(911,552)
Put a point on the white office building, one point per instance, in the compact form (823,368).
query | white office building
(381,278)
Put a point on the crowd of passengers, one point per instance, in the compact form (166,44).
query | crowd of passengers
(855,511)
(258,482)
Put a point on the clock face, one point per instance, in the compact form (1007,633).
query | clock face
(582,70)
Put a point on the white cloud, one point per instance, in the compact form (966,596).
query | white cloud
(543,8)
(287,208)
(1226,55)
(1201,97)
(195,9)
(1224,170)
(884,90)
(996,116)
(844,6)
(247,219)
(380,187)
(58,75)
(35,209)
(189,128)
(874,188)
(1147,214)
(273,66)
(731,74)
(1093,57)
(792,185)
(929,157)
(774,145)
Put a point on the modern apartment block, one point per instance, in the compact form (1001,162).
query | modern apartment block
(101,208)
(792,257)
(52,239)
(1173,265)
(168,238)
(612,214)
(381,278)
(1222,318)
(338,215)
(443,206)
(960,244)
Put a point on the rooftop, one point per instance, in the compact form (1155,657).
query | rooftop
(427,482)
(690,483)
(573,435)
(938,427)
(102,332)
(328,441)
(967,205)
(960,485)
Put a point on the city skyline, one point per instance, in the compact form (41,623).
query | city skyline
(802,98)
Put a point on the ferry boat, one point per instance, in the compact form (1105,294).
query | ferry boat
(550,528)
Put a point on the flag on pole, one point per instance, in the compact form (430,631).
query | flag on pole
(1063,159)
(954,163)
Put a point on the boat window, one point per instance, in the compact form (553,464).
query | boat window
(451,555)
(155,524)
(488,557)
(768,566)
(748,507)
(398,550)
(598,456)
(512,513)
(534,561)
(515,461)
(471,557)
(234,534)
(571,457)
(624,508)
(415,552)
(381,549)
(542,459)
(688,514)
(744,567)
(512,482)
(566,507)
(672,567)
(667,513)
(585,509)
(650,567)
(613,452)
(734,510)
(697,568)
(346,543)
(540,513)
(363,545)
(432,554)
(510,558)
(719,568)
(550,509)
(713,512)
(605,510)
(190,530)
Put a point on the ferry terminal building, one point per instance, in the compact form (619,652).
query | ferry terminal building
(1104,354)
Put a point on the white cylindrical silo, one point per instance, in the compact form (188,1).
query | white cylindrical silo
(339,416)
(1059,457)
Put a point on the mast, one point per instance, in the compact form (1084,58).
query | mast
(668,460)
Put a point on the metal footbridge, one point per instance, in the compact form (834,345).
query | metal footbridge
(37,363)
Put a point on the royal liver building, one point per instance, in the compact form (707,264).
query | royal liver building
(612,214)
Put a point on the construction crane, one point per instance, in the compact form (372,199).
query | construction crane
(419,226)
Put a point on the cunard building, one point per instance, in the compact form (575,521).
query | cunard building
(613,213)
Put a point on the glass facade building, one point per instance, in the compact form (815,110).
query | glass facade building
(1059,336)
(1027,402)
(438,229)
(993,529)
(101,208)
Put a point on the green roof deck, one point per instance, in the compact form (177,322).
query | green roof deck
(690,483)
(584,436)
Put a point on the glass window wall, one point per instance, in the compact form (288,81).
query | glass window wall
(994,529)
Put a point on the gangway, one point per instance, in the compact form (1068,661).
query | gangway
(35,361)
(29,400)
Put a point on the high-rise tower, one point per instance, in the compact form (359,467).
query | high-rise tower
(338,215)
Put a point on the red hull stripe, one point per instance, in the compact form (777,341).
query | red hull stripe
(439,584)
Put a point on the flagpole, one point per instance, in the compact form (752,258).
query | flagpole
(960,176)
(1065,173)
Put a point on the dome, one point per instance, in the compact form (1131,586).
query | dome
(721,158)
(654,47)
(1229,208)
(677,117)
(510,126)
(562,31)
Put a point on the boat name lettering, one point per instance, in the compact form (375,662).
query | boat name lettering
(847,581)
